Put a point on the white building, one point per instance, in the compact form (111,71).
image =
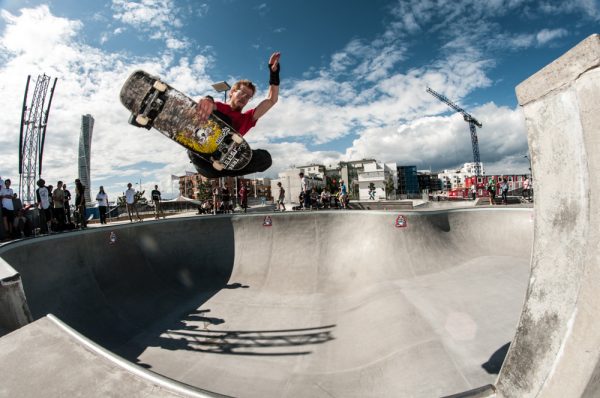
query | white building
(290,181)
(377,174)
(452,179)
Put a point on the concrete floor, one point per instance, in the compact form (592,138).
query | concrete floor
(320,304)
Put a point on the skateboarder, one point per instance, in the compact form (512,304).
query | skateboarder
(231,112)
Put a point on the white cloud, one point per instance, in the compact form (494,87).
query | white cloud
(89,81)
(546,35)
(366,92)
(589,8)
(444,141)
(158,18)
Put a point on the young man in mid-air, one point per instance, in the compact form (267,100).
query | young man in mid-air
(231,112)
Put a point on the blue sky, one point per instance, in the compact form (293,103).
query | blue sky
(354,75)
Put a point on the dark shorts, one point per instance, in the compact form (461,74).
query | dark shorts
(8,214)
(261,161)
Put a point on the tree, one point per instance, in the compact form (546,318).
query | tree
(139,198)
(389,186)
(205,190)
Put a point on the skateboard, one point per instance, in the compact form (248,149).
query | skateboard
(154,103)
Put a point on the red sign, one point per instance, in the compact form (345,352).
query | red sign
(401,221)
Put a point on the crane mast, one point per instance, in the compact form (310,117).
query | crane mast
(473,124)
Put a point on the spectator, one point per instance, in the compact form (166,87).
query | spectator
(226,199)
(131,200)
(491,188)
(20,224)
(43,200)
(216,197)
(504,190)
(17,203)
(526,186)
(80,203)
(343,194)
(244,197)
(102,199)
(8,208)
(281,197)
(305,191)
(156,199)
(473,192)
(58,201)
(325,198)
(67,205)
(314,199)
(206,207)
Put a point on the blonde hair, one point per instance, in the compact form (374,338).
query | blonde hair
(245,83)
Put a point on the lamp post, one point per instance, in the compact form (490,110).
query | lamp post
(529,160)
(222,87)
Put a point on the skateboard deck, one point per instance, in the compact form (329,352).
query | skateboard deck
(153,103)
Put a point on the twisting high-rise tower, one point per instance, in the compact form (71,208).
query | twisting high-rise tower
(85,142)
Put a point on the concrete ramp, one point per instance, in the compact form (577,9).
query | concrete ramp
(311,305)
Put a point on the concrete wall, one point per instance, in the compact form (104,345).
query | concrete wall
(14,311)
(557,347)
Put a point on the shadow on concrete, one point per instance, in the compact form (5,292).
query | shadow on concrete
(247,342)
(236,285)
(494,364)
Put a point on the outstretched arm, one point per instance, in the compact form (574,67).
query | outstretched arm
(273,94)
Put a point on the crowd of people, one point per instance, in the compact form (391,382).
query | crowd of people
(56,212)
(222,200)
(311,199)
(502,187)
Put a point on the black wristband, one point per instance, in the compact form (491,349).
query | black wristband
(274,75)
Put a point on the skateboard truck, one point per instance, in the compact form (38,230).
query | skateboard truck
(151,106)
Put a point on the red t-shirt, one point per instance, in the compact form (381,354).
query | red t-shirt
(241,122)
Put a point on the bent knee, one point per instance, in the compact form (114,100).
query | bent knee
(263,159)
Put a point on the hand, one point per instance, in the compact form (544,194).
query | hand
(204,109)
(274,61)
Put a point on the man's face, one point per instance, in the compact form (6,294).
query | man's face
(240,97)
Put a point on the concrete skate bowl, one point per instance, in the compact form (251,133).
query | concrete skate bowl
(314,305)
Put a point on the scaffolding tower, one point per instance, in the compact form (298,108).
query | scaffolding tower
(34,120)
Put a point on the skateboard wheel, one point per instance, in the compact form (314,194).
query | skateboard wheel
(142,120)
(160,86)
(218,165)
(237,138)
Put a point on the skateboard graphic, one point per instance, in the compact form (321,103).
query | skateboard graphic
(154,103)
